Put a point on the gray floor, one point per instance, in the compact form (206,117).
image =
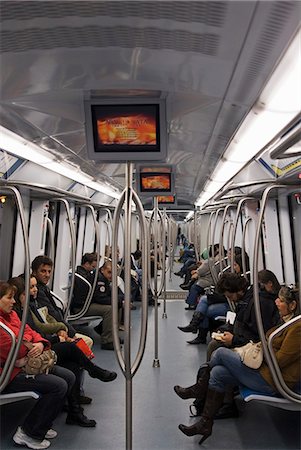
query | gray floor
(157,411)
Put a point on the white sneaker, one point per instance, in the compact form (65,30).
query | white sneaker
(23,439)
(51,434)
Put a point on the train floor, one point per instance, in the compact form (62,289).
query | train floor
(157,410)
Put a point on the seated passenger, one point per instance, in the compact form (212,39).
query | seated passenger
(203,278)
(209,307)
(68,354)
(103,296)
(244,329)
(268,282)
(104,329)
(51,388)
(42,268)
(226,369)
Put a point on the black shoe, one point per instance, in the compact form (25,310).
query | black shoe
(189,329)
(121,340)
(197,340)
(83,400)
(190,308)
(133,307)
(227,411)
(102,374)
(178,274)
(98,329)
(80,419)
(185,287)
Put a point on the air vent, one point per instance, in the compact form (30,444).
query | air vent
(209,13)
(125,37)
(267,41)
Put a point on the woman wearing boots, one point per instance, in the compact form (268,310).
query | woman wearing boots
(209,307)
(226,369)
(69,355)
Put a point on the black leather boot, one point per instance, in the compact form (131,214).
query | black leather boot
(201,337)
(214,400)
(199,389)
(75,413)
(99,373)
(194,323)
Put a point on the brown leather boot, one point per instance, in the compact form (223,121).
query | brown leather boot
(199,389)
(214,401)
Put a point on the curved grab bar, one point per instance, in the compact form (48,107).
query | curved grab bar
(272,362)
(51,238)
(229,240)
(209,239)
(128,196)
(10,360)
(221,237)
(243,247)
(73,252)
(89,296)
(4,378)
(211,264)
(235,224)
(87,302)
(296,396)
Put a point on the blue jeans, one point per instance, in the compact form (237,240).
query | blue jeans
(194,293)
(210,311)
(228,370)
(52,390)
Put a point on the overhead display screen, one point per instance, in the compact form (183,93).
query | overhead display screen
(126,130)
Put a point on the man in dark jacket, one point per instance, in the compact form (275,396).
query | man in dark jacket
(101,300)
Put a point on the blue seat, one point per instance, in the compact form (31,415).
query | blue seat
(272,400)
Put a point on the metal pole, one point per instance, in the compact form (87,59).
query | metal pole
(124,361)
(156,362)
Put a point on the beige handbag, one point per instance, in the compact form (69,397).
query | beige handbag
(251,354)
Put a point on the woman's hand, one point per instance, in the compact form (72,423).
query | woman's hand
(63,334)
(227,338)
(36,350)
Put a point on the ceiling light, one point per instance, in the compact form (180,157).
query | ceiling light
(16,145)
(277,105)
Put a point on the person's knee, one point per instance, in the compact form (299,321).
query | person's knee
(58,386)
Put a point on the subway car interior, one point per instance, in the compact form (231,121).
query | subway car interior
(148,134)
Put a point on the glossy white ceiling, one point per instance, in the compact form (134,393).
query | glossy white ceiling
(209,59)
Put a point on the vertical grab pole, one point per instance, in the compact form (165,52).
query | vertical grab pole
(156,362)
(164,269)
(128,370)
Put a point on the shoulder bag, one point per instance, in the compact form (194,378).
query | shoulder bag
(39,364)
(251,354)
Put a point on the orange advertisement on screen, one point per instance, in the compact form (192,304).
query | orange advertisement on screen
(166,199)
(127,130)
(156,182)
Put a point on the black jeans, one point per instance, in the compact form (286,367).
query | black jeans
(52,390)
